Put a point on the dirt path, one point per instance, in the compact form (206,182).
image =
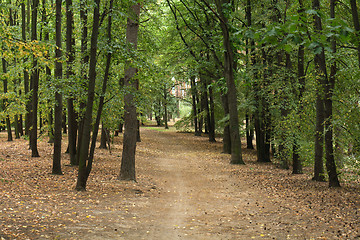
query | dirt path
(196,194)
(186,189)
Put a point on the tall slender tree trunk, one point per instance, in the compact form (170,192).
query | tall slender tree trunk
(5,103)
(249,133)
(265,113)
(193,96)
(104,131)
(34,82)
(165,108)
(25,72)
(58,96)
(127,169)
(84,69)
(212,116)
(199,110)
(70,42)
(329,89)
(236,156)
(284,110)
(84,165)
(205,90)
(297,165)
(249,127)
(321,78)
(50,120)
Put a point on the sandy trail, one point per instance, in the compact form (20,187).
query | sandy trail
(197,196)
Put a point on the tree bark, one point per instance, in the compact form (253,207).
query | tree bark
(249,128)
(321,78)
(165,117)
(329,88)
(194,108)
(249,133)
(104,131)
(212,116)
(226,133)
(44,19)
(103,138)
(5,102)
(58,96)
(25,72)
(297,164)
(72,124)
(236,156)
(84,64)
(85,165)
(34,82)
(127,170)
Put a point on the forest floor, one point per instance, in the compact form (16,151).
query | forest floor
(185,189)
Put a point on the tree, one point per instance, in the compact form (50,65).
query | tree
(127,170)
(104,131)
(321,78)
(329,89)
(25,72)
(34,83)
(5,103)
(85,165)
(58,96)
(84,69)
(236,157)
(297,165)
(70,42)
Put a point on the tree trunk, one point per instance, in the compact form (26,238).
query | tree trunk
(72,124)
(16,126)
(21,130)
(84,64)
(236,156)
(138,137)
(249,127)
(226,133)
(199,117)
(34,83)
(104,131)
(64,125)
(321,78)
(44,19)
(209,124)
(58,96)
(103,138)
(165,117)
(127,170)
(193,97)
(297,165)
(249,133)
(265,113)
(25,72)
(84,165)
(329,89)
(5,102)
(212,116)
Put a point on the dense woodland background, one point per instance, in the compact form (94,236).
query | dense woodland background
(283,71)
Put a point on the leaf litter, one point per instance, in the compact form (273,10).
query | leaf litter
(185,189)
